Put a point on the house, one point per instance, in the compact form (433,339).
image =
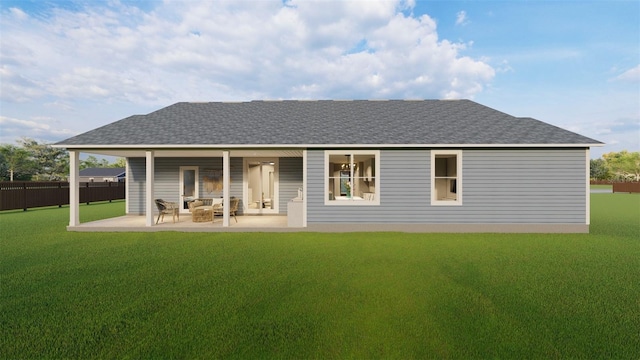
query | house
(396,165)
(102,175)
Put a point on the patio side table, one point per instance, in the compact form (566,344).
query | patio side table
(202,215)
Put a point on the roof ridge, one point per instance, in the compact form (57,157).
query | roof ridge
(308,100)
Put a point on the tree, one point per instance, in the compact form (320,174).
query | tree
(119,163)
(624,165)
(50,164)
(599,170)
(93,162)
(15,163)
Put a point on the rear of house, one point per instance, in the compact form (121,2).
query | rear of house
(396,165)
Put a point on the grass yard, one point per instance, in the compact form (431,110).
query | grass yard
(312,295)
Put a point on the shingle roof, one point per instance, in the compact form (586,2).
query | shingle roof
(327,122)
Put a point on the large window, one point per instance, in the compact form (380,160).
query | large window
(351,177)
(446,177)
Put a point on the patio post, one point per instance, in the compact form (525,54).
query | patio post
(304,188)
(225,188)
(149,201)
(74,188)
(127,170)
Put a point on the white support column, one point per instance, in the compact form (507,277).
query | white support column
(225,187)
(74,188)
(127,172)
(149,201)
(304,188)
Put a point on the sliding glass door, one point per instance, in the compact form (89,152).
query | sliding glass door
(261,186)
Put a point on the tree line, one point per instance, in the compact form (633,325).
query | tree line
(31,160)
(616,166)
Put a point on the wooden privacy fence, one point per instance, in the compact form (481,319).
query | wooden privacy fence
(628,187)
(622,187)
(31,194)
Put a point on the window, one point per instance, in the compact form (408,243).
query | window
(351,177)
(446,177)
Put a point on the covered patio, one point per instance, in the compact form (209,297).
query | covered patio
(142,217)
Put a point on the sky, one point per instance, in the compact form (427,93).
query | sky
(67,67)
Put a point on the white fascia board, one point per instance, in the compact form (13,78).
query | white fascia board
(378,146)
(324,146)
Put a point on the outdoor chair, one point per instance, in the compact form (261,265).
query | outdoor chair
(233,208)
(167,207)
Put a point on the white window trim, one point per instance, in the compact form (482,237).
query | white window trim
(459,188)
(375,201)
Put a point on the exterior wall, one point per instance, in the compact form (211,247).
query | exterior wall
(499,186)
(136,184)
(167,179)
(290,181)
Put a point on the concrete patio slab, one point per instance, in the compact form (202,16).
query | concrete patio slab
(136,223)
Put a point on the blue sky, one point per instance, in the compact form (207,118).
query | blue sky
(67,67)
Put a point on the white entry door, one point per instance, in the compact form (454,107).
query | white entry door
(189,186)
(261,191)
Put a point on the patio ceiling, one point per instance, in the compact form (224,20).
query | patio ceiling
(196,152)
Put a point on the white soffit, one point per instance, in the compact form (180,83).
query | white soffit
(196,152)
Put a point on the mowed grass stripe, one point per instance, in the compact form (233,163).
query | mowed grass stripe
(311,295)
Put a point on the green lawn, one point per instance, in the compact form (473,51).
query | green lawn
(311,295)
(601,187)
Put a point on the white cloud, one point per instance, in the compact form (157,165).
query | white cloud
(461,18)
(631,75)
(17,88)
(233,50)
(17,13)
(617,133)
(71,71)
(504,67)
(39,128)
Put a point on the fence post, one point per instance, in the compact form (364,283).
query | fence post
(59,194)
(109,191)
(24,198)
(88,197)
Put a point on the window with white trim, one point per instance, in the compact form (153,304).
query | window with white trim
(446,177)
(351,177)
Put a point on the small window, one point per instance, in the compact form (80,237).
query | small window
(446,177)
(351,177)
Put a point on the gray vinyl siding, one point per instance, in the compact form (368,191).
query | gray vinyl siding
(167,179)
(290,178)
(136,181)
(499,186)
